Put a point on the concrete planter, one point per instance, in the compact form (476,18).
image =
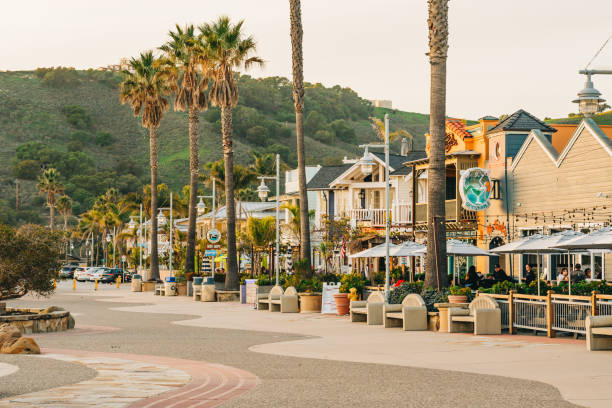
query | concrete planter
(228,295)
(310,303)
(457,299)
(30,321)
(148,286)
(181,288)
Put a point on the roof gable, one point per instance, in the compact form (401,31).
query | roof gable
(522,121)
(557,158)
(325,176)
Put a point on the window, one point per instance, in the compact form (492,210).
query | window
(497,151)
(495,190)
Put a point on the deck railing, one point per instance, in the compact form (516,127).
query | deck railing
(401,213)
(550,313)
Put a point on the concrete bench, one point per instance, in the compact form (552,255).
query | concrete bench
(289,301)
(369,311)
(270,301)
(197,292)
(411,314)
(599,333)
(160,289)
(483,316)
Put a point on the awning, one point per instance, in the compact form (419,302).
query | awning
(600,239)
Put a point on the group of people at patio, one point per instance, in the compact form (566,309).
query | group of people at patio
(475,280)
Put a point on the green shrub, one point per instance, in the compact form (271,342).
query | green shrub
(77,116)
(330,278)
(263,280)
(220,277)
(460,291)
(352,280)
(398,294)
(433,296)
(104,139)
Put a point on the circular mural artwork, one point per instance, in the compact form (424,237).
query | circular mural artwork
(475,189)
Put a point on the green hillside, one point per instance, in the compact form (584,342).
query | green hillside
(604,118)
(73,121)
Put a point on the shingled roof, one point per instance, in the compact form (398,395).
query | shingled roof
(326,175)
(522,121)
(395,160)
(405,170)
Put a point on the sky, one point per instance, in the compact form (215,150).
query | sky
(503,55)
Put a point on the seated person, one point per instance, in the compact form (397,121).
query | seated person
(562,277)
(472,279)
(577,274)
(500,275)
(529,275)
(587,274)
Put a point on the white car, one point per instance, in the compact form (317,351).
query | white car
(97,273)
(83,274)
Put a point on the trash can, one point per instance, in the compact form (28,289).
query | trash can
(208,293)
(170,286)
(136,284)
(197,280)
(209,281)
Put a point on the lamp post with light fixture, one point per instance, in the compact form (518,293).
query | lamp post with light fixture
(202,207)
(367,166)
(262,192)
(161,220)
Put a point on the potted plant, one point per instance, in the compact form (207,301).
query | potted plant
(348,281)
(181,283)
(459,294)
(310,295)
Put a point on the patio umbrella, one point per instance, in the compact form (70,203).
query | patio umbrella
(460,248)
(408,248)
(545,244)
(600,239)
(374,252)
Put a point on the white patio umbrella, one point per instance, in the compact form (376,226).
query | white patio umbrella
(408,248)
(460,248)
(374,252)
(600,239)
(545,244)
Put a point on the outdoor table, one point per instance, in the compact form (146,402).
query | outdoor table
(443,309)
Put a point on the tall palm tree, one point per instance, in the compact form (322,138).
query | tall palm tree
(145,89)
(297,60)
(379,128)
(435,272)
(261,233)
(50,185)
(64,206)
(187,70)
(227,48)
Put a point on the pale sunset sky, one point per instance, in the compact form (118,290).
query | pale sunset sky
(503,55)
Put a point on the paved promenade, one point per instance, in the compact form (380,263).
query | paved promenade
(300,360)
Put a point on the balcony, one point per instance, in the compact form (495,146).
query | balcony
(401,213)
(453,214)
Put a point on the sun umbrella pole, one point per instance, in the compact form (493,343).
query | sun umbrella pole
(538,275)
(569,271)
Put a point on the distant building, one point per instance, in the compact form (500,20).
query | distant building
(122,66)
(382,103)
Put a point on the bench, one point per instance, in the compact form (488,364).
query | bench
(265,300)
(289,301)
(411,314)
(160,289)
(197,292)
(369,311)
(599,333)
(483,316)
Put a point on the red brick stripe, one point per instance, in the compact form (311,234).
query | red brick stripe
(211,384)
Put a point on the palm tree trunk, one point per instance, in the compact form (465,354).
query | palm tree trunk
(51,215)
(298,99)
(436,262)
(194,166)
(154,271)
(65,222)
(231,275)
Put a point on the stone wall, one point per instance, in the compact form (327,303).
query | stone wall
(38,320)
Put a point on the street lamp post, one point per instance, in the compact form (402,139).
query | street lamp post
(367,165)
(589,98)
(202,207)
(161,220)
(262,192)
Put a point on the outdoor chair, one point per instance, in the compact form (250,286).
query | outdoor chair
(264,300)
(160,289)
(289,301)
(369,311)
(483,316)
(411,314)
(197,292)
(599,333)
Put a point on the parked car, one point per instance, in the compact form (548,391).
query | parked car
(83,274)
(67,271)
(96,274)
(108,275)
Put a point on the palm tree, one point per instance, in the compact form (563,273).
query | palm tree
(145,89)
(64,206)
(50,185)
(435,272)
(379,127)
(227,48)
(297,61)
(186,67)
(295,223)
(260,233)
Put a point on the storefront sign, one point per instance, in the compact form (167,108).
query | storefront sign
(475,189)
(328,304)
(213,236)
